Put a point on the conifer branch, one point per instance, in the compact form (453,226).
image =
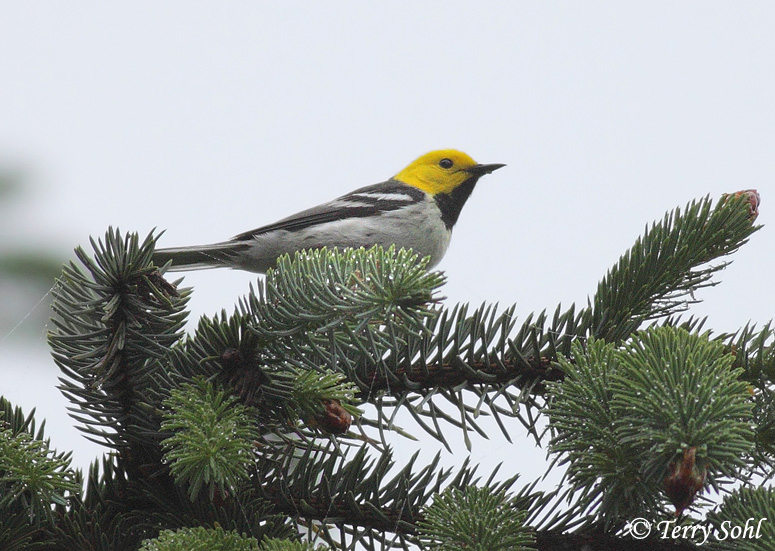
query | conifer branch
(655,421)
(659,275)
(33,479)
(369,320)
(741,507)
(113,321)
(328,330)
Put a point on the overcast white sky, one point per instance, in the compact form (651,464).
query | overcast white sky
(208,119)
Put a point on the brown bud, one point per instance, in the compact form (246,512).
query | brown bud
(333,419)
(753,199)
(244,376)
(154,280)
(220,497)
(684,481)
(231,357)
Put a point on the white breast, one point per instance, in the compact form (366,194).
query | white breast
(417,226)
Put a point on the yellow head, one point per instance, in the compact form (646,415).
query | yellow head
(442,171)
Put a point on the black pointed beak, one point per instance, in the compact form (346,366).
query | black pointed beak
(481,170)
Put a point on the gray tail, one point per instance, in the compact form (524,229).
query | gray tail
(217,255)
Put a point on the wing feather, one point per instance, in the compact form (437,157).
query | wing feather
(363,202)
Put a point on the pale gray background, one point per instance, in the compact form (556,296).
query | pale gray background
(209,119)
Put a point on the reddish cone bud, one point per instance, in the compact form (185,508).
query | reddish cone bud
(753,198)
(333,419)
(684,481)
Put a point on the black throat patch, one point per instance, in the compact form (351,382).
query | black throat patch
(451,204)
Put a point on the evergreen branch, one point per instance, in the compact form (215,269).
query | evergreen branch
(477,519)
(33,479)
(95,520)
(664,413)
(472,354)
(670,262)
(741,508)
(321,289)
(115,317)
(306,317)
(650,281)
(754,353)
(286,545)
(200,539)
(369,317)
(324,489)
(211,439)
(353,491)
(224,348)
(118,512)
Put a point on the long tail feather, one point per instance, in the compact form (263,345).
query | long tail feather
(202,257)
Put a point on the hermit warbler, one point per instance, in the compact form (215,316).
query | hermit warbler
(416,209)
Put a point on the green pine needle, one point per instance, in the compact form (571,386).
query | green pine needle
(312,387)
(212,438)
(474,519)
(380,295)
(114,315)
(324,324)
(603,469)
(322,288)
(200,539)
(32,476)
(677,390)
(274,544)
(668,264)
(745,507)
(624,414)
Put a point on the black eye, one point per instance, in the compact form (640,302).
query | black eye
(445,163)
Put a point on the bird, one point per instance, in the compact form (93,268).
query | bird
(415,209)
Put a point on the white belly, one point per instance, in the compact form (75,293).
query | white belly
(424,233)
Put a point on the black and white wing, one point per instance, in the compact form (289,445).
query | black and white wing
(361,203)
